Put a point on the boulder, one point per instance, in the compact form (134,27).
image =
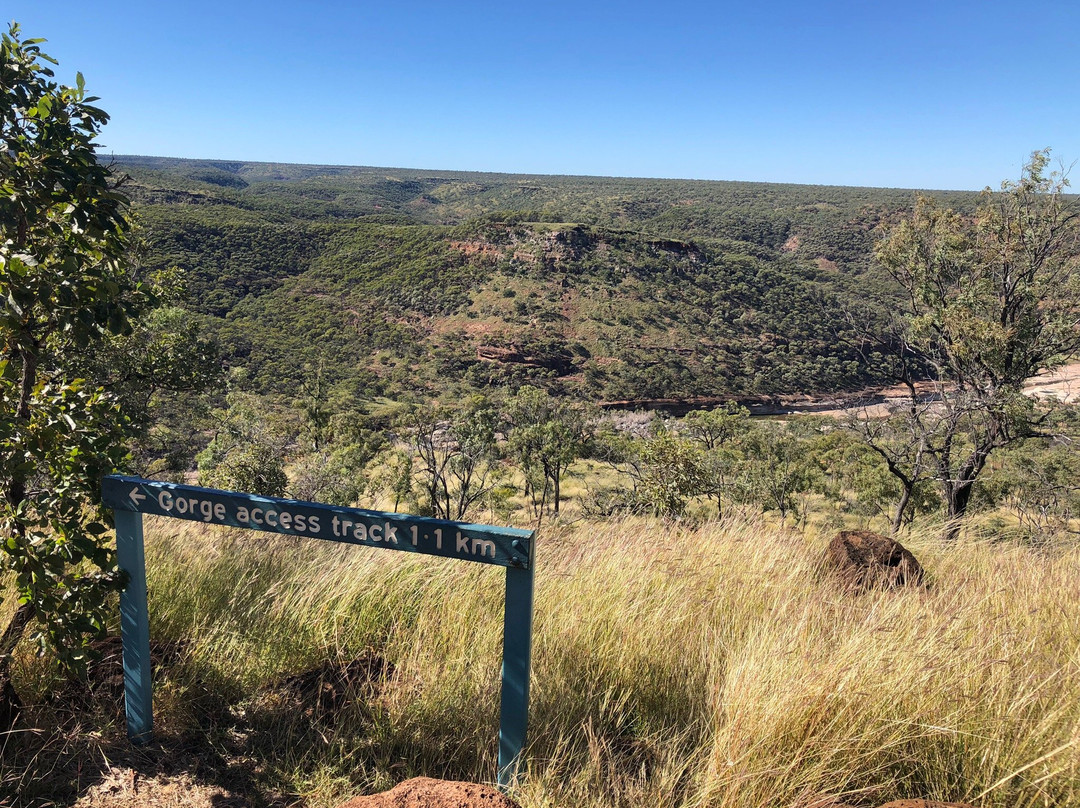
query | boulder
(862,559)
(426,792)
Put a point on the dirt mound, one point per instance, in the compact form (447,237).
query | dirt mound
(326,689)
(425,792)
(104,678)
(862,559)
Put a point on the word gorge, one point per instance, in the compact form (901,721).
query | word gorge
(327,522)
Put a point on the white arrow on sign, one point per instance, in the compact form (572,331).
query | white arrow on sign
(135,496)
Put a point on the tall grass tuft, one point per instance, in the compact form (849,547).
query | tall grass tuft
(711,667)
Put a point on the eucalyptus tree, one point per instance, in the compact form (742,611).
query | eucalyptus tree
(989,301)
(545,436)
(457,455)
(717,432)
(64,285)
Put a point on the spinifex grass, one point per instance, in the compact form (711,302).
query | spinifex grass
(672,666)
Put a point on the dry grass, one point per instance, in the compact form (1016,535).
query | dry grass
(673,666)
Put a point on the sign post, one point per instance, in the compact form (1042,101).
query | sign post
(130,497)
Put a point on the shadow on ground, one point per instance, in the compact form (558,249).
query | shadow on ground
(71,749)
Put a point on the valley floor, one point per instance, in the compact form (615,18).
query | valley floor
(1063,384)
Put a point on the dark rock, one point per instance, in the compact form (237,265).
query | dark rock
(327,688)
(104,676)
(862,560)
(425,792)
(323,692)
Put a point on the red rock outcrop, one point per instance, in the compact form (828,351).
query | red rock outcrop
(862,559)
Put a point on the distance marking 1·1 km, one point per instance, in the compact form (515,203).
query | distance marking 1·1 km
(508,547)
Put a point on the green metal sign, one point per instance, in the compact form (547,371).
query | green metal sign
(130,497)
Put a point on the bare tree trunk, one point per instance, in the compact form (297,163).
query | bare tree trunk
(959,489)
(10,704)
(901,506)
(957,498)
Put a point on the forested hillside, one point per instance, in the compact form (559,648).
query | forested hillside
(412,283)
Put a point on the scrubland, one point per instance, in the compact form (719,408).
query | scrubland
(673,666)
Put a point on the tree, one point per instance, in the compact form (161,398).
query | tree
(546,436)
(1039,482)
(395,477)
(315,406)
(989,301)
(64,283)
(717,432)
(337,473)
(335,477)
(246,454)
(668,470)
(161,373)
(854,476)
(458,455)
(776,468)
(900,441)
(664,469)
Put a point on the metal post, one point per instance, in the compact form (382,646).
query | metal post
(517,650)
(130,497)
(135,627)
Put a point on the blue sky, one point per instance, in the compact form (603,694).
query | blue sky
(921,94)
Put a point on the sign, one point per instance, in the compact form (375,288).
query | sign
(503,546)
(130,497)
